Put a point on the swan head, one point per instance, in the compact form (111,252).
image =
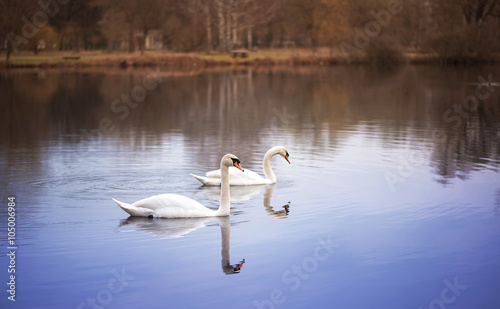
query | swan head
(231,160)
(282,151)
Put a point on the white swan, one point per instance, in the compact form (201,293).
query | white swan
(178,206)
(213,178)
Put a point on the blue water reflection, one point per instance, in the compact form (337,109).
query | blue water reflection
(385,205)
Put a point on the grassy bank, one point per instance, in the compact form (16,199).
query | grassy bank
(165,59)
(287,57)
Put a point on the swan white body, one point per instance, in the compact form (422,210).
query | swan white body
(236,178)
(178,206)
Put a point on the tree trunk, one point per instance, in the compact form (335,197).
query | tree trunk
(314,40)
(234,25)
(9,51)
(222,26)
(131,41)
(229,43)
(249,38)
(209,27)
(77,41)
(61,42)
(143,40)
(313,45)
(111,45)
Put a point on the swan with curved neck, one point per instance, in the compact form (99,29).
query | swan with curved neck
(213,178)
(179,206)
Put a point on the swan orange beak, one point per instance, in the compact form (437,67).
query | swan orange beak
(238,166)
(286,158)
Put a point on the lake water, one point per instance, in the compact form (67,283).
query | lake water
(393,190)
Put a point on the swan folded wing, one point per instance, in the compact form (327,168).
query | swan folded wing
(215,173)
(173,206)
(237,177)
(233,172)
(247,178)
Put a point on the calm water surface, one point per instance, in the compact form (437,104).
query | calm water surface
(393,193)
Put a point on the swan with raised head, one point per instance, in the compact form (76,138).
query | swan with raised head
(213,178)
(178,206)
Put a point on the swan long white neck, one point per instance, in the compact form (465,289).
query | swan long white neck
(266,165)
(225,198)
(225,234)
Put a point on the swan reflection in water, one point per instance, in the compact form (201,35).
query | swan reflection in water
(277,214)
(245,193)
(175,228)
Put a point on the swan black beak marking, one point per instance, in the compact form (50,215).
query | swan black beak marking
(236,163)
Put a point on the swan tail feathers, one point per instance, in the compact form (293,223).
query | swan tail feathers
(200,178)
(133,210)
(207,181)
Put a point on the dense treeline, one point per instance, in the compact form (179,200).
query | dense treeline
(448,28)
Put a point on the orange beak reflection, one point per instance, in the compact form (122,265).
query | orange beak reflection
(238,166)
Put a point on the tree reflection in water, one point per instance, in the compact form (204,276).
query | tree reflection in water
(228,106)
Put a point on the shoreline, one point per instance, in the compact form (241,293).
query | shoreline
(183,61)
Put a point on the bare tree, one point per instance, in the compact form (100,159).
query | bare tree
(75,20)
(320,19)
(202,10)
(16,30)
(221,15)
(254,13)
(237,16)
(148,16)
(477,11)
(464,28)
(112,25)
(138,16)
(444,27)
